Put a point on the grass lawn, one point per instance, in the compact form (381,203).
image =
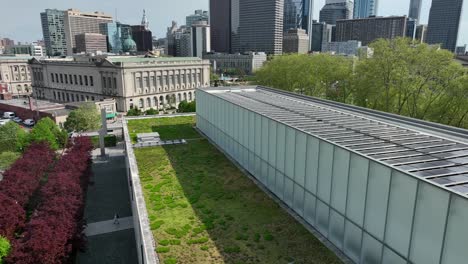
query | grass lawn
(168,128)
(202,209)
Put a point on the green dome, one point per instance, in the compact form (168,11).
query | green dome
(129,45)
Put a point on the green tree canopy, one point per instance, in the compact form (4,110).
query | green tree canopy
(47,131)
(12,137)
(4,248)
(85,118)
(187,107)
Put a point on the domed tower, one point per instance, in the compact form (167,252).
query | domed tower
(129,45)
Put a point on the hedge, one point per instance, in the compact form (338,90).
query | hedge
(109,141)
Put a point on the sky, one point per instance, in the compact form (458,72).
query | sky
(21,21)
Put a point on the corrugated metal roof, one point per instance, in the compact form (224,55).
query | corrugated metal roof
(442,161)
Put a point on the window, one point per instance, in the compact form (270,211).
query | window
(71,79)
(66,79)
(86,80)
(81,80)
(140,103)
(104,82)
(115,82)
(153,83)
(91,81)
(55,96)
(76,80)
(82,98)
(92,98)
(109,82)
(51,76)
(61,78)
(59,98)
(73,97)
(138,82)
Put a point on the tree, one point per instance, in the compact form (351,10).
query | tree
(47,131)
(12,137)
(4,248)
(134,112)
(85,118)
(187,107)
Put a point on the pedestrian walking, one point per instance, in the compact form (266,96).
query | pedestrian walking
(116,219)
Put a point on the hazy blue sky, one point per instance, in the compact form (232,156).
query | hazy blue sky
(20,20)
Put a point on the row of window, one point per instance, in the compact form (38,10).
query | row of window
(109,82)
(166,80)
(168,99)
(70,97)
(72,79)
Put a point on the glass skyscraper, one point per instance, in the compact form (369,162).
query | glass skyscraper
(365,8)
(444,22)
(297,14)
(53,29)
(415,9)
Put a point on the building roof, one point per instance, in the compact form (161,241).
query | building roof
(15,58)
(433,157)
(134,59)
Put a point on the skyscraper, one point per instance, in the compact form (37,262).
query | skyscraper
(220,22)
(365,8)
(77,22)
(261,26)
(200,38)
(199,15)
(415,9)
(53,30)
(444,22)
(298,15)
(142,35)
(336,9)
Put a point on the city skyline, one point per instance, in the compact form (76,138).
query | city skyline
(27,28)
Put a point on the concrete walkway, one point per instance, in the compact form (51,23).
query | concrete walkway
(105,227)
(108,195)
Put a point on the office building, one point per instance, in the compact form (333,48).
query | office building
(15,74)
(378,191)
(335,10)
(411,28)
(261,31)
(220,22)
(132,81)
(297,14)
(347,48)
(421,33)
(91,43)
(199,15)
(365,8)
(143,38)
(77,22)
(113,34)
(170,36)
(5,44)
(53,30)
(460,50)
(415,9)
(296,41)
(321,33)
(200,38)
(369,29)
(444,23)
(183,42)
(28,49)
(248,62)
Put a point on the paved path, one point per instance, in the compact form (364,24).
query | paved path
(108,226)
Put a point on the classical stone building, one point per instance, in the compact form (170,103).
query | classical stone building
(15,74)
(132,81)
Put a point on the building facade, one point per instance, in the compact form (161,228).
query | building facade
(348,48)
(199,15)
(261,31)
(220,22)
(249,62)
(335,10)
(91,43)
(5,44)
(365,8)
(15,74)
(143,38)
(77,22)
(113,34)
(200,38)
(296,41)
(444,23)
(321,33)
(415,9)
(53,30)
(374,189)
(132,81)
(29,49)
(421,33)
(369,29)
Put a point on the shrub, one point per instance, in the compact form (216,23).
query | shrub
(151,111)
(187,107)
(109,141)
(56,228)
(170,260)
(232,249)
(12,137)
(163,249)
(4,248)
(134,112)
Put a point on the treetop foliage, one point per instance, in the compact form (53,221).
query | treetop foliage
(85,118)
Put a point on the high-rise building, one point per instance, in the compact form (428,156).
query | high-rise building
(411,27)
(444,23)
(261,26)
(91,43)
(5,44)
(421,33)
(369,29)
(298,14)
(365,8)
(142,35)
(348,48)
(296,41)
(415,9)
(199,15)
(200,38)
(114,36)
(77,22)
(170,36)
(29,49)
(321,33)
(336,9)
(53,30)
(220,22)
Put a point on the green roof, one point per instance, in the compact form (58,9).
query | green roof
(16,58)
(142,59)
